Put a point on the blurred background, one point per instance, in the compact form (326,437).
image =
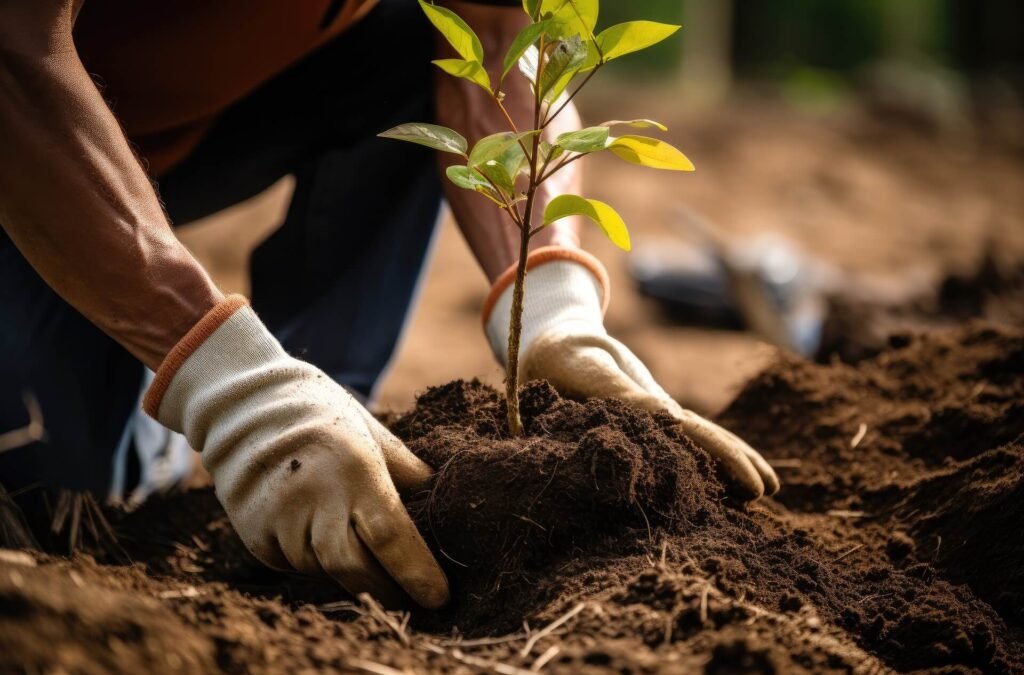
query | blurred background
(860,174)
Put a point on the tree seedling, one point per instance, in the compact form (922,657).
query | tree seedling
(559,53)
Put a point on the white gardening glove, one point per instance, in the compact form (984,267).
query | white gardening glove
(564,341)
(301,468)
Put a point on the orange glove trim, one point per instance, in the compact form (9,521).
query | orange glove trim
(205,327)
(543,255)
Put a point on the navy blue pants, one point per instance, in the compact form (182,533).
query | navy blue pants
(334,283)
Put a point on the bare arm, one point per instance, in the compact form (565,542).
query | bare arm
(467,108)
(74,199)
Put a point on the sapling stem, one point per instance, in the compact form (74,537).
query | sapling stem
(515,421)
(550,52)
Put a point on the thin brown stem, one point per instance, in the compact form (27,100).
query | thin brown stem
(512,124)
(515,422)
(504,111)
(505,204)
(561,165)
(543,168)
(551,117)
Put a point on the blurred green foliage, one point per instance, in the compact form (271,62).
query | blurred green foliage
(838,35)
(777,38)
(660,59)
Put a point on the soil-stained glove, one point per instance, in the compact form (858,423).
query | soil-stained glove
(302,469)
(565,342)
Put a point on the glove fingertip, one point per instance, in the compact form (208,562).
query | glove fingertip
(748,491)
(433,595)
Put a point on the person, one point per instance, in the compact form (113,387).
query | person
(215,101)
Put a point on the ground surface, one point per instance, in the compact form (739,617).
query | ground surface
(896,208)
(603,540)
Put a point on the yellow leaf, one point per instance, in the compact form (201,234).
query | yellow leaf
(632,36)
(650,152)
(599,212)
(458,33)
(467,70)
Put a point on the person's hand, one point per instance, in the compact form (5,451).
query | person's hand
(302,469)
(564,342)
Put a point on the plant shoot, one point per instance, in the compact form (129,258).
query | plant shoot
(558,52)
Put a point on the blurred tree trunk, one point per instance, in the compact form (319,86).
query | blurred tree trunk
(706,72)
(910,28)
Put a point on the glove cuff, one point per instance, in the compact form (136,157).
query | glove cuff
(564,287)
(542,255)
(180,353)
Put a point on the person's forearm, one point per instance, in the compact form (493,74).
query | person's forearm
(80,208)
(467,108)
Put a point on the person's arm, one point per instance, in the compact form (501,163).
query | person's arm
(467,108)
(74,198)
(308,477)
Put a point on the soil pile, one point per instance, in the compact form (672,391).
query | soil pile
(585,477)
(859,328)
(603,541)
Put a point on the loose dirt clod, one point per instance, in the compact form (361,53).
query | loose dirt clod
(602,541)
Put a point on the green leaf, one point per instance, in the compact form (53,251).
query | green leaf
(467,70)
(637,124)
(564,60)
(526,38)
(468,179)
(571,17)
(458,33)
(632,36)
(431,135)
(650,152)
(549,152)
(496,171)
(505,167)
(531,7)
(491,147)
(576,17)
(599,212)
(513,160)
(590,139)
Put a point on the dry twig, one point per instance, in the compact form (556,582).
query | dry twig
(704,604)
(31,432)
(374,667)
(377,612)
(862,430)
(470,660)
(851,551)
(14,529)
(550,628)
(483,642)
(843,513)
(544,658)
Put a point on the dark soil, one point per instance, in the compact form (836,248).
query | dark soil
(991,290)
(895,542)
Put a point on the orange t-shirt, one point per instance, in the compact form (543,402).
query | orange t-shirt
(169,68)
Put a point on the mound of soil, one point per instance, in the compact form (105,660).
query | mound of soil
(603,541)
(857,328)
(585,477)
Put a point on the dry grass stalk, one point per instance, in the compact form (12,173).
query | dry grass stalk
(550,628)
(31,432)
(14,529)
